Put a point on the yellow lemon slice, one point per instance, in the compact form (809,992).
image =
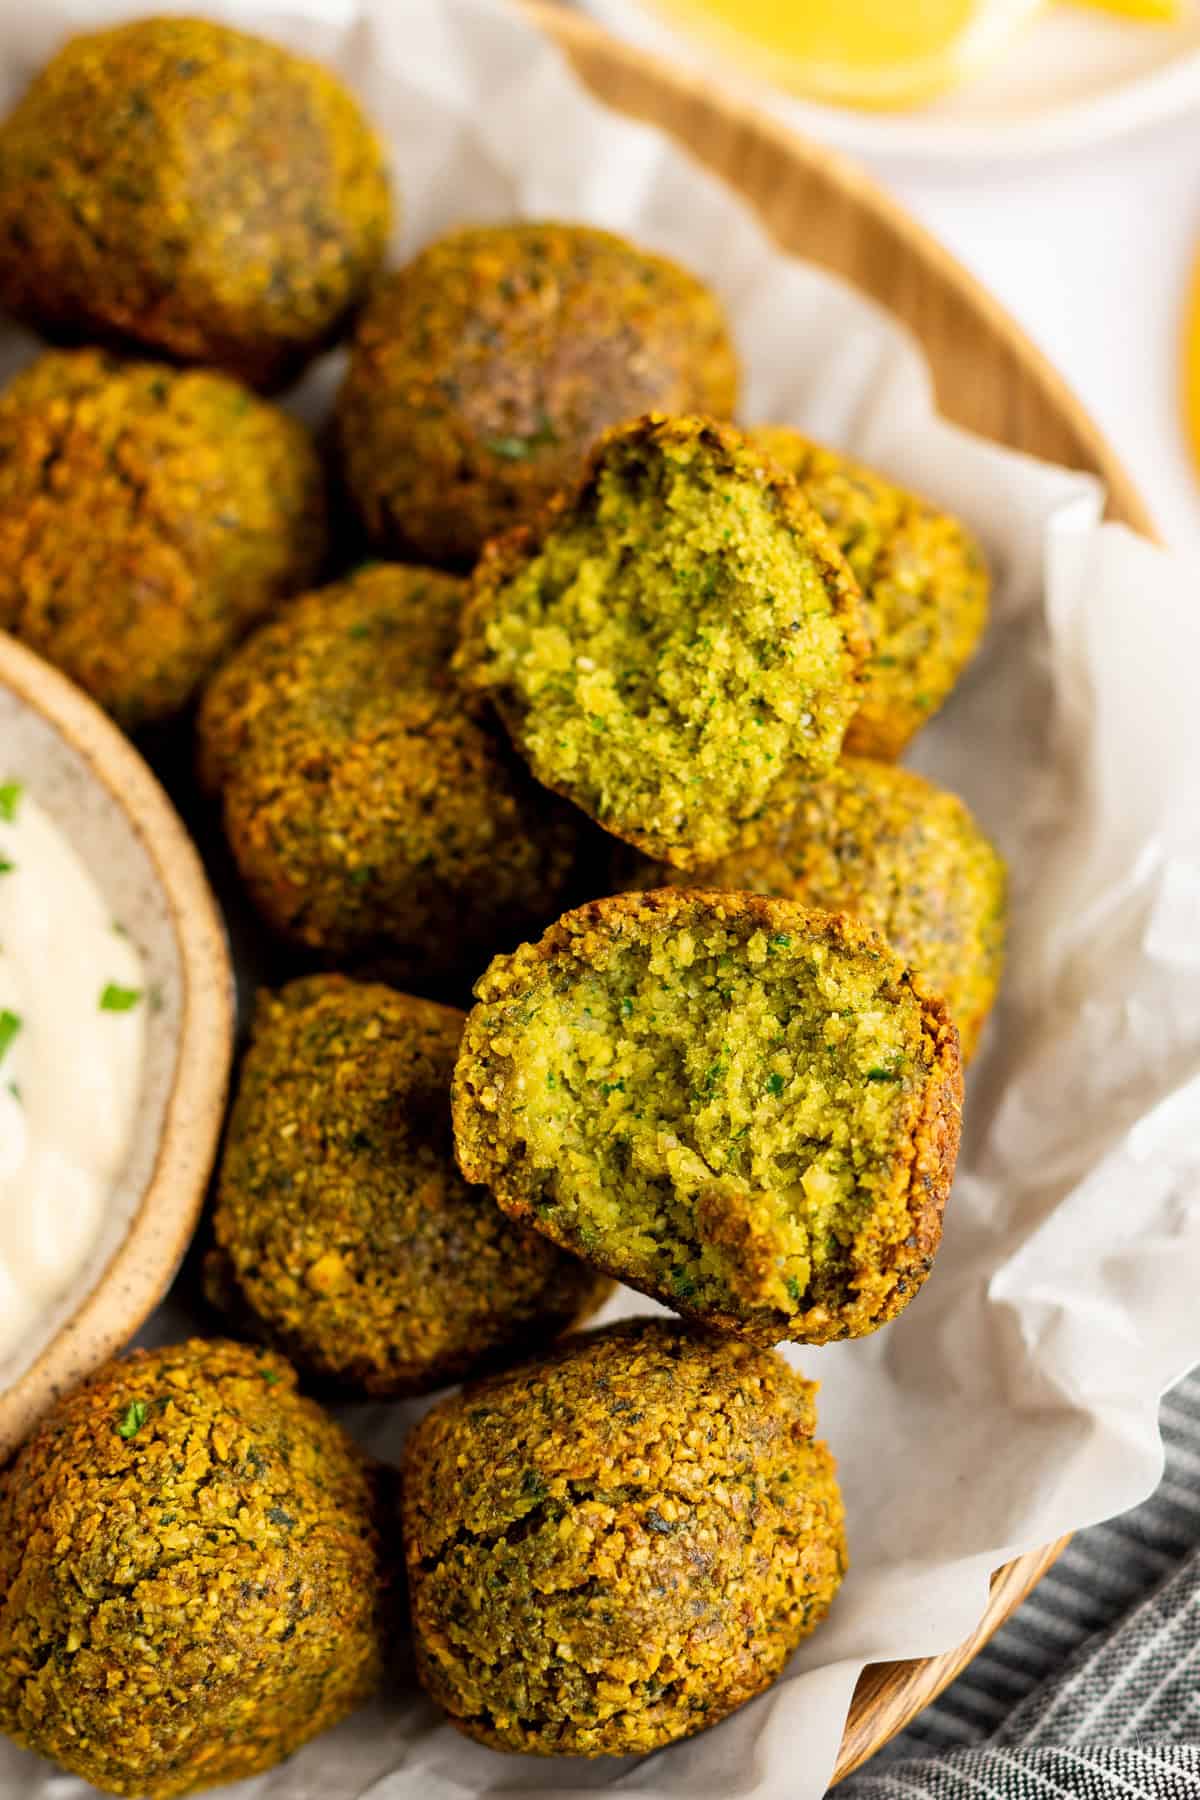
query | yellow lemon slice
(872,53)
(1191,365)
(1153,12)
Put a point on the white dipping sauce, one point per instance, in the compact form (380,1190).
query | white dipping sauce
(72,1040)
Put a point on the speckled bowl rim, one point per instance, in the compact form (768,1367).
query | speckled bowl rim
(139,1272)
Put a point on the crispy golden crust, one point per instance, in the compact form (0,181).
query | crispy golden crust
(185,188)
(745,1109)
(923,576)
(888,847)
(484,370)
(191,1576)
(372,817)
(664,683)
(148,517)
(614,1547)
(341,1217)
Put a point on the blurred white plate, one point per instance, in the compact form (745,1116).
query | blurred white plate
(1071,79)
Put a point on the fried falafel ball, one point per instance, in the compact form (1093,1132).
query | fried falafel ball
(891,849)
(191,1576)
(341,1218)
(373,818)
(670,638)
(148,517)
(923,576)
(745,1109)
(616,1546)
(483,372)
(183,188)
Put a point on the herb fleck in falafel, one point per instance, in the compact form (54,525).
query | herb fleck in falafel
(923,576)
(191,1580)
(188,189)
(372,817)
(148,517)
(341,1217)
(483,372)
(745,1109)
(670,638)
(891,849)
(616,1546)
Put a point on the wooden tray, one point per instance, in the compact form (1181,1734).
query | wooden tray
(988,377)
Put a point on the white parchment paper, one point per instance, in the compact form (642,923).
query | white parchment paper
(1016,1399)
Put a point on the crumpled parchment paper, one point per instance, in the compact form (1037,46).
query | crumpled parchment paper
(1016,1399)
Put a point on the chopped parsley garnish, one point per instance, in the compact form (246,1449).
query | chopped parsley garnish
(626,1007)
(133,1418)
(10,799)
(277,1516)
(780,940)
(10,1025)
(516,449)
(793,1288)
(119,999)
(6,865)
(775,1084)
(682,1285)
(883,1074)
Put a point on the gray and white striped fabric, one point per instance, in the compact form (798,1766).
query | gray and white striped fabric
(1092,1690)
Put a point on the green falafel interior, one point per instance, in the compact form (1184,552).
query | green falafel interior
(671,638)
(746,1109)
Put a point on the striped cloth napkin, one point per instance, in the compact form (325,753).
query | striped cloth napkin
(1092,1689)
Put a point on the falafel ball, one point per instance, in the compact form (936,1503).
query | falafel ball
(191,1576)
(183,188)
(341,1218)
(614,1547)
(891,849)
(923,576)
(373,818)
(148,517)
(483,371)
(747,1110)
(670,638)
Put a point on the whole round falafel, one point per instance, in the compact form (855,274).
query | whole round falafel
(191,190)
(341,1220)
(748,1110)
(923,577)
(148,517)
(614,1547)
(372,816)
(670,637)
(891,849)
(191,1578)
(483,371)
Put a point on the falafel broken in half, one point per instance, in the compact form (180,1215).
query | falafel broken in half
(746,1109)
(670,637)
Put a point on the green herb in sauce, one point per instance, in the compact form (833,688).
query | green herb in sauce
(119,999)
